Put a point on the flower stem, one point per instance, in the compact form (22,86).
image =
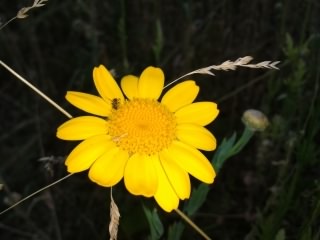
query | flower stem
(192,224)
(35,89)
(244,139)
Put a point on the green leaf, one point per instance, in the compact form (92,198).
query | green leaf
(223,152)
(229,148)
(159,41)
(155,224)
(198,197)
(281,235)
(175,231)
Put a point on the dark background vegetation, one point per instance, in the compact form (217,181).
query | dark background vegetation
(270,190)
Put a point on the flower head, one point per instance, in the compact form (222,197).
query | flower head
(151,144)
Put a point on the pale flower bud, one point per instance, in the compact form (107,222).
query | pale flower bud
(255,120)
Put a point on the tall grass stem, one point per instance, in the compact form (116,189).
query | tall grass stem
(35,193)
(35,89)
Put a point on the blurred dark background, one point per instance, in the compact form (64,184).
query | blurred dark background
(270,190)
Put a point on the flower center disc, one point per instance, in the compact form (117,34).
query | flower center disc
(142,126)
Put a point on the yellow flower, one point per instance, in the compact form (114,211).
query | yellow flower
(153,145)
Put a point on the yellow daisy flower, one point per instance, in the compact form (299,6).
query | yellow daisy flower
(153,145)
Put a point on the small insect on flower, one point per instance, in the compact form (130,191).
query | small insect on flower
(115,103)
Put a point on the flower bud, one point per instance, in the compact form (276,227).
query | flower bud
(255,120)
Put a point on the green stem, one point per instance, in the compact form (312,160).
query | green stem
(244,139)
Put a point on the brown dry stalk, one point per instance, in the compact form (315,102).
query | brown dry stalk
(114,221)
(22,13)
(230,65)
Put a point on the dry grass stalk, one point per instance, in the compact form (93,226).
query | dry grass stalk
(35,89)
(115,216)
(230,65)
(35,193)
(22,13)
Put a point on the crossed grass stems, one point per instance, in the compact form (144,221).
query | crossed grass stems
(114,211)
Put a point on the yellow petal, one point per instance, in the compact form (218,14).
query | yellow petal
(108,170)
(192,160)
(180,95)
(178,177)
(165,195)
(140,177)
(201,113)
(89,103)
(129,85)
(151,83)
(196,136)
(83,155)
(80,128)
(105,84)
